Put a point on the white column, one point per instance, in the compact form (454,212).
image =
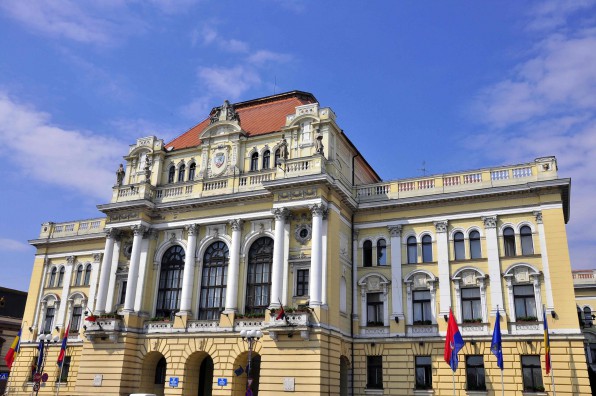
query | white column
(443,262)
(385,306)
(537,295)
(133,269)
(494,264)
(100,306)
(93,282)
(397,308)
(316,255)
(550,304)
(65,290)
(188,276)
(363,306)
(143,270)
(111,300)
(234,268)
(278,255)
(42,316)
(433,301)
(355,273)
(324,263)
(286,275)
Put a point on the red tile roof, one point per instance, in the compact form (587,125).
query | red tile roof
(257,117)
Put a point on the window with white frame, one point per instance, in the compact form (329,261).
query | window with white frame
(302,282)
(427,249)
(75,320)
(470,294)
(381,252)
(471,305)
(459,247)
(87,277)
(367,254)
(525,303)
(171,174)
(475,250)
(191,171)
(53,274)
(49,320)
(509,242)
(181,173)
(421,300)
(78,276)
(412,247)
(214,281)
(525,236)
(374,309)
(306,129)
(60,277)
(373,303)
(523,287)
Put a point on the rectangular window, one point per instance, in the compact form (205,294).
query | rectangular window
(374,309)
(424,375)
(302,282)
(475,373)
(421,306)
(525,304)
(75,321)
(122,296)
(471,306)
(374,372)
(65,369)
(532,373)
(49,320)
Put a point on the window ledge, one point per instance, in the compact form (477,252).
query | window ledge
(373,391)
(476,392)
(530,393)
(422,392)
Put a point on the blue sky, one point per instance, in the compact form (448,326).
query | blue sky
(456,84)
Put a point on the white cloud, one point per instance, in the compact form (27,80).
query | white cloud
(78,160)
(11,245)
(208,35)
(228,82)
(263,56)
(547,106)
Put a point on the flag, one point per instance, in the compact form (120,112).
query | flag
(453,342)
(14,350)
(546,342)
(281,314)
(40,354)
(495,346)
(63,347)
(91,318)
(239,371)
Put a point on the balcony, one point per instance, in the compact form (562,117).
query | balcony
(422,330)
(103,329)
(540,169)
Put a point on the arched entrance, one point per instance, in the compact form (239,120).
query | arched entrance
(198,375)
(344,367)
(240,382)
(153,374)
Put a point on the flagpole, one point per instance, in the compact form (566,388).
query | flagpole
(453,379)
(547,336)
(552,378)
(502,386)
(59,378)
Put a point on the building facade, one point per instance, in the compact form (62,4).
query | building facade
(267,204)
(12,306)
(584,283)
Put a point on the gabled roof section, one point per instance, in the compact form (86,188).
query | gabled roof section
(257,117)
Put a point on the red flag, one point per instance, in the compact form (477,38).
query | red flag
(281,314)
(14,350)
(547,361)
(63,347)
(453,342)
(91,318)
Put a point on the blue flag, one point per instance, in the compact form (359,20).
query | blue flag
(495,346)
(40,355)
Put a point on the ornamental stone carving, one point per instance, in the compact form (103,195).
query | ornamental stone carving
(318,210)
(225,112)
(489,221)
(395,231)
(70,260)
(441,226)
(280,213)
(538,215)
(112,233)
(236,224)
(303,233)
(97,257)
(192,229)
(138,230)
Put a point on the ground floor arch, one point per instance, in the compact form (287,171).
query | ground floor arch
(240,382)
(153,374)
(198,375)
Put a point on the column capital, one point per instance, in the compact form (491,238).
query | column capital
(441,226)
(395,230)
(489,221)
(70,259)
(192,229)
(236,224)
(538,215)
(138,230)
(355,235)
(46,261)
(112,233)
(97,257)
(318,210)
(280,213)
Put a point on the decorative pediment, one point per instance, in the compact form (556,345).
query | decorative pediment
(420,279)
(374,283)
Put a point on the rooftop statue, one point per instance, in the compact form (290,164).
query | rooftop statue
(225,112)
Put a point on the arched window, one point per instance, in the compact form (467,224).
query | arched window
(87,277)
(266,157)
(181,173)
(170,282)
(427,249)
(367,254)
(79,276)
(60,277)
(381,252)
(160,372)
(527,246)
(587,316)
(191,171)
(412,250)
(214,280)
(52,282)
(206,377)
(258,287)
(459,248)
(277,158)
(509,241)
(254,162)
(475,251)
(171,174)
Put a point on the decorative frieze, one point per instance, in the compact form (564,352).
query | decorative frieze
(306,193)
(489,221)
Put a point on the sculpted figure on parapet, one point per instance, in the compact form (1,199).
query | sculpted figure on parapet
(283,148)
(225,112)
(120,175)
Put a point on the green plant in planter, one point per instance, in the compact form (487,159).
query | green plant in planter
(423,322)
(476,320)
(374,323)
(157,319)
(527,319)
